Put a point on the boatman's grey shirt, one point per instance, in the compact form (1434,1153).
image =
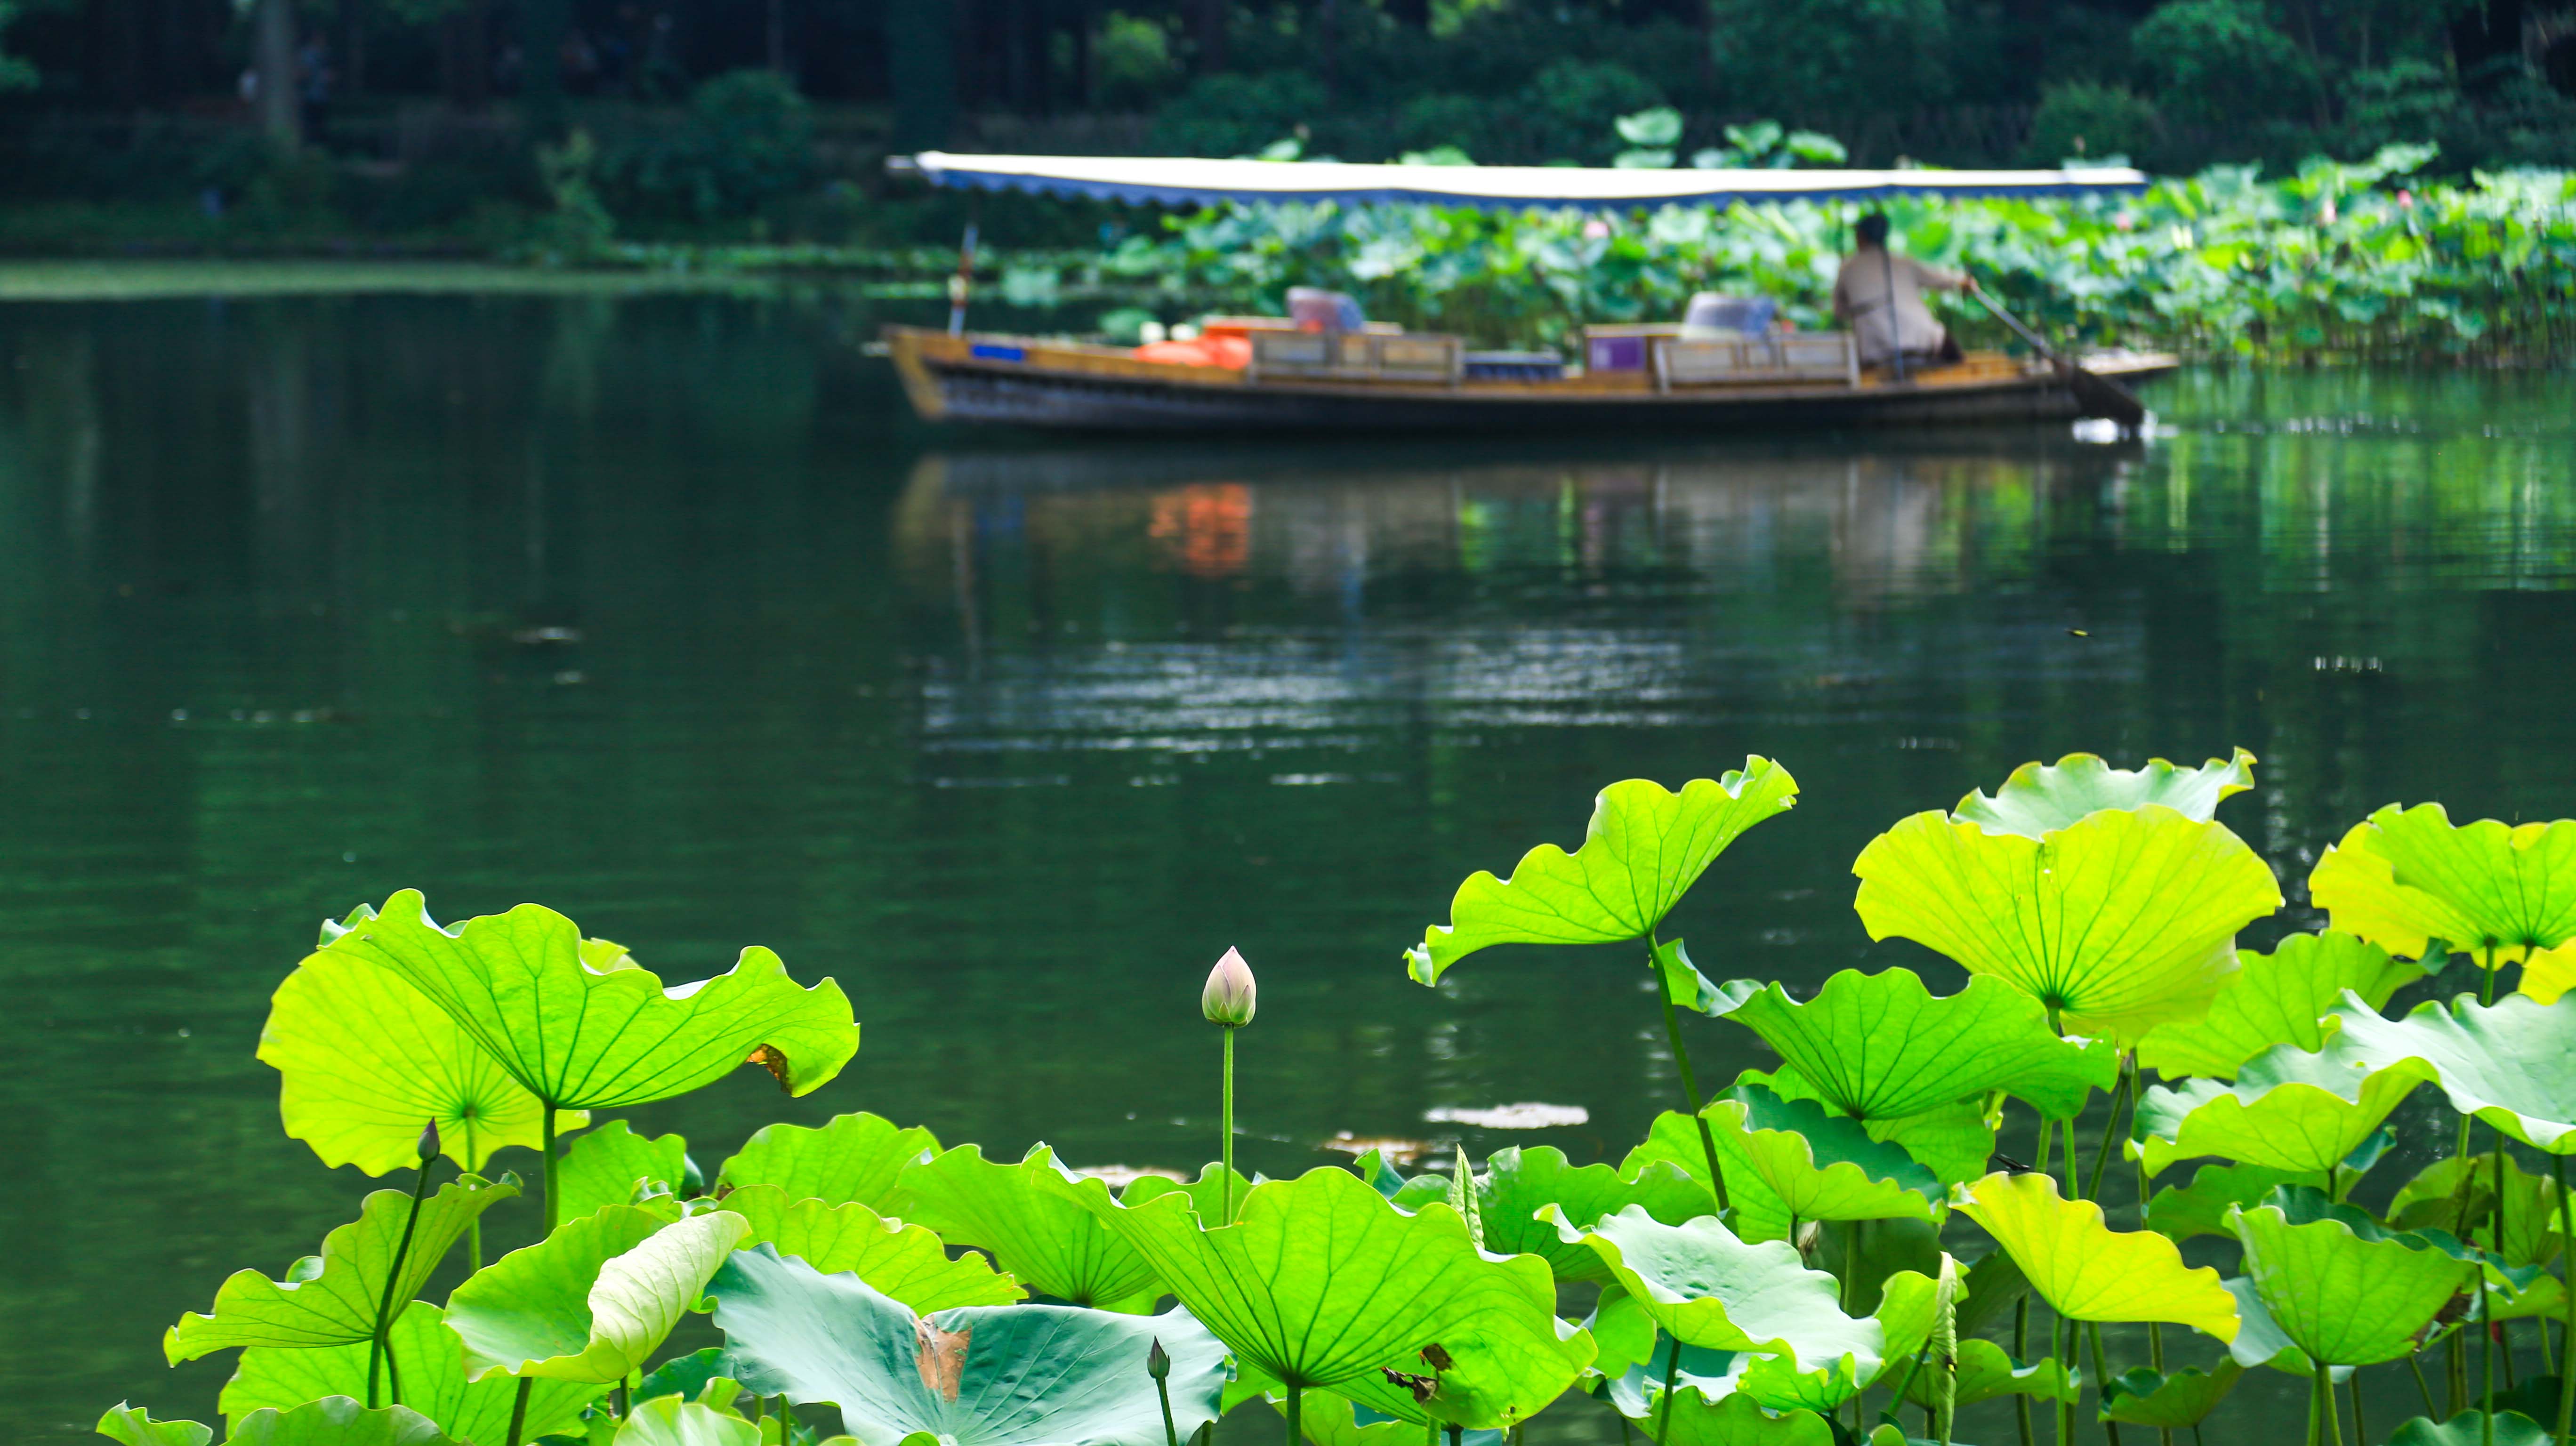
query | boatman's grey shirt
(1861,299)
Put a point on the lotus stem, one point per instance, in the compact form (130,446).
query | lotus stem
(2415,1363)
(1457,1433)
(1664,1415)
(2567,1340)
(1158,1364)
(1225,1215)
(2360,1434)
(2101,1374)
(473,1228)
(2110,1128)
(2325,1397)
(380,1346)
(1296,1406)
(554,1211)
(2066,1357)
(2021,1352)
(2486,1365)
(1690,1085)
(2316,1418)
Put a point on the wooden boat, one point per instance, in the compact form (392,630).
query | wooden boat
(1379,379)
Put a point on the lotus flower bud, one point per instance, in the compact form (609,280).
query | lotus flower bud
(429,1143)
(1228,998)
(1158,1362)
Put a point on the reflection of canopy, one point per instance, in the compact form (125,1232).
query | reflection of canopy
(1181,178)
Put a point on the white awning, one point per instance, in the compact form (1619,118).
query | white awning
(1185,179)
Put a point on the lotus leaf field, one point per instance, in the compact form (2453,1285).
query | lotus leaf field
(1828,1251)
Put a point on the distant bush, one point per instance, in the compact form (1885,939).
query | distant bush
(2221,62)
(746,140)
(2082,119)
(1560,113)
(1236,115)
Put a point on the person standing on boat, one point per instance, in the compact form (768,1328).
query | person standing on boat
(1879,296)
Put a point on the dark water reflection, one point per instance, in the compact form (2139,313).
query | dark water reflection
(659,612)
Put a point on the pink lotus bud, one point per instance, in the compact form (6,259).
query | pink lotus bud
(2406,200)
(1228,998)
(1595,230)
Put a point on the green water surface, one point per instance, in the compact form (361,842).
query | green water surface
(661,611)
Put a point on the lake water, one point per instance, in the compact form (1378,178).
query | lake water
(661,611)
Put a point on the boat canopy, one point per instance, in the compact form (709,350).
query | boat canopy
(1185,179)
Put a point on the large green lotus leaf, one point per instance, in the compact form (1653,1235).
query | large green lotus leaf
(2434,1198)
(1733,1419)
(1517,1181)
(2471,1428)
(1904,1319)
(906,1263)
(2284,997)
(364,1060)
(2040,798)
(1026,1375)
(2088,1271)
(2179,1212)
(331,1299)
(2547,973)
(433,1382)
(593,1300)
(134,1426)
(2407,878)
(1044,1237)
(337,1421)
(1956,1141)
(1758,1214)
(605,1166)
(1823,1167)
(2289,1109)
(2260,1341)
(2146,1397)
(580,1034)
(1322,1281)
(671,1421)
(1986,1372)
(2121,920)
(1877,1046)
(2343,1289)
(1706,1287)
(2508,1063)
(851,1159)
(1209,1192)
(1643,848)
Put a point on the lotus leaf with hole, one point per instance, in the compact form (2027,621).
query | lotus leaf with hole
(2342,1288)
(594,1300)
(2408,879)
(2508,1063)
(671,1421)
(1877,1046)
(905,1263)
(2041,797)
(2088,1271)
(1044,1237)
(337,1421)
(364,1060)
(2121,920)
(2289,1109)
(606,1166)
(2180,1212)
(1823,1167)
(1986,1372)
(2284,997)
(1517,1181)
(2145,1397)
(2471,1428)
(134,1426)
(432,1373)
(332,1298)
(1025,1375)
(1321,1281)
(1643,848)
(1706,1287)
(584,1033)
(850,1159)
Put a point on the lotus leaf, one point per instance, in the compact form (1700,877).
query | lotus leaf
(2260,1341)
(1207,1193)
(1643,848)
(332,1298)
(2146,1397)
(2088,1271)
(2040,798)
(2434,1198)
(1673,1140)
(593,1300)
(337,1421)
(1987,1372)
(586,1033)
(2284,997)
(1876,1046)
(1688,988)
(1708,1288)
(1517,1181)
(671,1421)
(364,1060)
(1989,1285)
(2344,1290)
(685,1376)
(1325,1419)
(1321,1281)
(2408,878)
(432,1372)
(905,1263)
(1732,1419)
(2470,1428)
(605,1166)
(1889,1251)
(2121,920)
(1635,1387)
(1027,1375)
(1823,1167)
(1044,1237)
(2507,1063)
(2200,1208)
(2547,973)
(2289,1109)
(852,1159)
(134,1426)
(1956,1141)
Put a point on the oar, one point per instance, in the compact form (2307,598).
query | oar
(2100,396)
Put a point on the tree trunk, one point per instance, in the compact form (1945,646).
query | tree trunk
(273,61)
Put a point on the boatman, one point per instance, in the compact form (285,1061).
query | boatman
(1878,296)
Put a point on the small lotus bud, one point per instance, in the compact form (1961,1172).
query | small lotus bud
(1158,1362)
(1228,998)
(429,1143)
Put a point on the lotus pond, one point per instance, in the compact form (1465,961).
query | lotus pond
(1962,1096)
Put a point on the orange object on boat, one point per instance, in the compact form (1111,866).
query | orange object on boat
(1233,353)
